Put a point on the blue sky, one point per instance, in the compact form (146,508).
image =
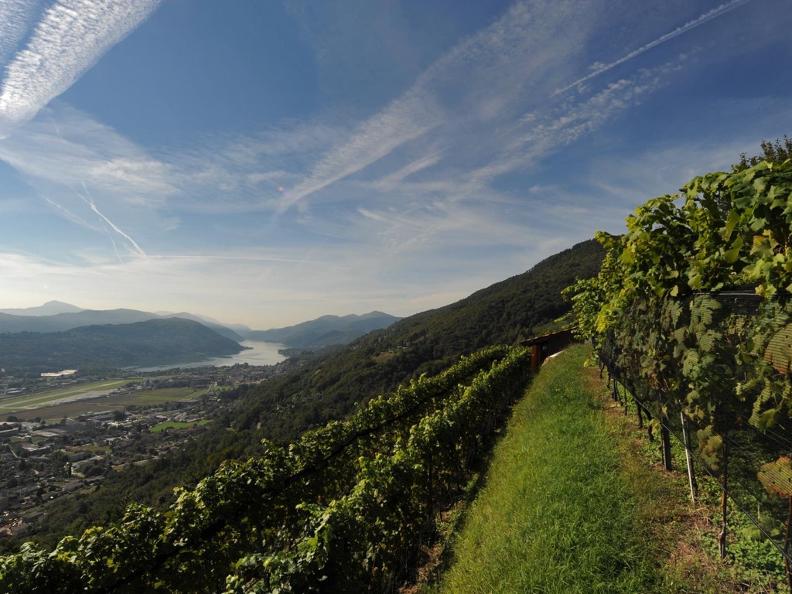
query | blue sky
(268,162)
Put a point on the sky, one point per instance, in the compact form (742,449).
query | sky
(269,162)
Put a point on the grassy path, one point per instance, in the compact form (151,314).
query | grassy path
(557,512)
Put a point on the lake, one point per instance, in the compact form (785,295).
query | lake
(257,353)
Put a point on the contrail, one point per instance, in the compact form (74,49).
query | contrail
(92,205)
(70,215)
(704,18)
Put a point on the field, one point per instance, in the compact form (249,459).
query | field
(93,404)
(151,397)
(159,427)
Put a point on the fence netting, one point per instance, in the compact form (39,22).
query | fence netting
(745,449)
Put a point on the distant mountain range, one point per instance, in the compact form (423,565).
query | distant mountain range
(138,344)
(56,316)
(48,309)
(59,334)
(325,331)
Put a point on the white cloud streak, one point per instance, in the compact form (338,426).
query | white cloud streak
(404,120)
(92,205)
(15,18)
(520,39)
(70,37)
(65,147)
(689,26)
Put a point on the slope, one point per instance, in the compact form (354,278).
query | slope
(575,500)
(550,519)
(331,386)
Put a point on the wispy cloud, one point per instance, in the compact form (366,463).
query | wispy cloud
(66,147)
(404,120)
(474,78)
(599,69)
(70,37)
(453,172)
(15,19)
(391,180)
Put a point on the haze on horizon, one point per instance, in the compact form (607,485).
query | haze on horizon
(267,163)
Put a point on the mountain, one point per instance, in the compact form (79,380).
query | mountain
(139,344)
(48,309)
(330,385)
(67,321)
(59,321)
(222,330)
(325,331)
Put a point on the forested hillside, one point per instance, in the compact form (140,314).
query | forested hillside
(344,508)
(333,385)
(153,342)
(325,331)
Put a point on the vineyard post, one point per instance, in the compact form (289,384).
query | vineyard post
(638,410)
(626,400)
(622,397)
(724,498)
(788,546)
(665,443)
(689,459)
(430,477)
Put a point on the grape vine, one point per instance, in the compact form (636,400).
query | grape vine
(268,519)
(661,315)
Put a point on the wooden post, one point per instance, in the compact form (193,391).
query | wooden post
(430,477)
(689,459)
(665,444)
(536,356)
(724,499)
(626,400)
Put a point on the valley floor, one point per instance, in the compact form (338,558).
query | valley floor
(570,504)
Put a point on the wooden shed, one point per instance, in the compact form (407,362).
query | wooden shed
(547,344)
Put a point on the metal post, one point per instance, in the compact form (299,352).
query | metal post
(689,459)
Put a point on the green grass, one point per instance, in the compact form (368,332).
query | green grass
(162,395)
(159,427)
(556,513)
